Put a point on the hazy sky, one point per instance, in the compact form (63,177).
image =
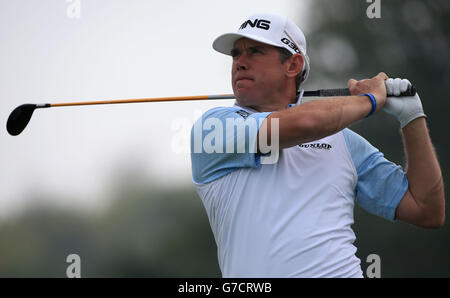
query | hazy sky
(116,49)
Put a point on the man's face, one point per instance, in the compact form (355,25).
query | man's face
(257,73)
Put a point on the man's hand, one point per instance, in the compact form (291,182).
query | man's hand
(375,85)
(404,109)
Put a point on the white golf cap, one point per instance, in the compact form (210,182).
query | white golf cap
(270,29)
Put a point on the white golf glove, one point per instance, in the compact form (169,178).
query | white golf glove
(406,108)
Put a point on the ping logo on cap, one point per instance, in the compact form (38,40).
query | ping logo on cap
(261,24)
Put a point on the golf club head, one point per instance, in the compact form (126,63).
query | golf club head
(19,118)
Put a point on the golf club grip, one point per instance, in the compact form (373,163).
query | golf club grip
(346,92)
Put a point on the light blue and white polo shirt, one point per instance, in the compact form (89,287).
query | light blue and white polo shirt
(291,218)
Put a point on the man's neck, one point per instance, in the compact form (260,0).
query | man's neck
(268,108)
(274,106)
(278,100)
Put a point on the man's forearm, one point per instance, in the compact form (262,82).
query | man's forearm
(320,118)
(423,171)
(317,119)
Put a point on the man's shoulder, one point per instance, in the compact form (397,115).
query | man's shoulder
(223,113)
(232,109)
(355,139)
(348,131)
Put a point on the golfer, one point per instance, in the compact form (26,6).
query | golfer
(292,216)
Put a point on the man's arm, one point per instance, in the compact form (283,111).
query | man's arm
(423,204)
(320,118)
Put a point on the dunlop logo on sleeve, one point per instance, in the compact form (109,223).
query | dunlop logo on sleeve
(324,146)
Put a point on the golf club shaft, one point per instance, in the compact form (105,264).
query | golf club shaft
(317,93)
(158,99)
(20,116)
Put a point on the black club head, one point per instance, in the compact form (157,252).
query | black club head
(19,118)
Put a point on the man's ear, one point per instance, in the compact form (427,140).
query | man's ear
(295,65)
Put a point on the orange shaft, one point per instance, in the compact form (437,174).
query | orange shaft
(102,102)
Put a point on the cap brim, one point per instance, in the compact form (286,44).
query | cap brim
(225,42)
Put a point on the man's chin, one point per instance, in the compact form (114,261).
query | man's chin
(244,100)
(245,95)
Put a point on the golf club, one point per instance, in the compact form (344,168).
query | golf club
(20,116)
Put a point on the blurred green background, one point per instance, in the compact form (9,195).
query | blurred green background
(155,231)
(410,40)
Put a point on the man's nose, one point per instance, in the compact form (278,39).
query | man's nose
(241,67)
(241,62)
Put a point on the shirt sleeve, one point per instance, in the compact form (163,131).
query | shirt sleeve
(223,140)
(381,184)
